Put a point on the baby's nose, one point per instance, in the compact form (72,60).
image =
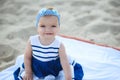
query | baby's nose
(48,29)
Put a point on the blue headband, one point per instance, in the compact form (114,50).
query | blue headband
(45,12)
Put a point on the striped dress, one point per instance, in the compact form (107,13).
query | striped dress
(45,59)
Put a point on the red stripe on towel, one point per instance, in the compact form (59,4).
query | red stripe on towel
(91,42)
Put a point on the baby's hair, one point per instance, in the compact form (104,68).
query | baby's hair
(50,8)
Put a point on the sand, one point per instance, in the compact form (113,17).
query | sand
(95,20)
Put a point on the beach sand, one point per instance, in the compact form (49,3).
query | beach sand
(95,20)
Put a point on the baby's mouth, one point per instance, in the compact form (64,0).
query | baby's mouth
(49,33)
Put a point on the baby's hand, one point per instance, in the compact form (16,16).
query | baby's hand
(28,76)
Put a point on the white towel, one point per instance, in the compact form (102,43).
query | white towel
(98,62)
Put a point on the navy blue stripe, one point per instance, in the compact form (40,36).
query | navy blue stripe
(45,47)
(21,78)
(16,74)
(44,52)
(73,78)
(73,62)
(45,57)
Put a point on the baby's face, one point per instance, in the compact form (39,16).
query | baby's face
(48,26)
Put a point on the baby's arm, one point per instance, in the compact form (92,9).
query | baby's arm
(27,62)
(65,63)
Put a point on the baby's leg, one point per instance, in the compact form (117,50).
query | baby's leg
(49,77)
(61,76)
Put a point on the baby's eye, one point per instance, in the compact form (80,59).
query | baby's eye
(53,26)
(42,26)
